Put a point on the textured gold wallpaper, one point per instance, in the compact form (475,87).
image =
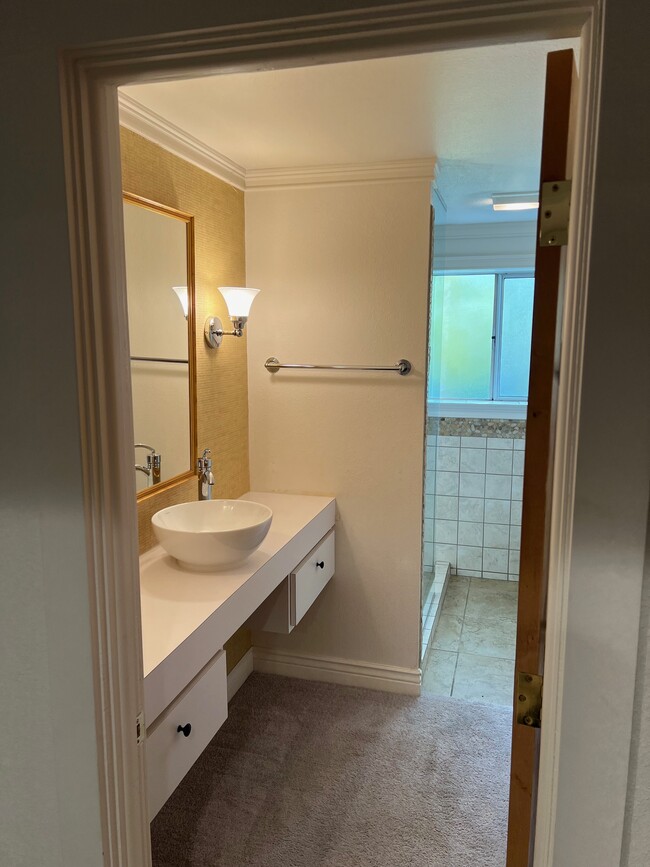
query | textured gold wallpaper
(222,393)
(222,386)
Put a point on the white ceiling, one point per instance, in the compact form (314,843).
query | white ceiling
(478,111)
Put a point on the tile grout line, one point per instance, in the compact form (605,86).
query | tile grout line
(453,677)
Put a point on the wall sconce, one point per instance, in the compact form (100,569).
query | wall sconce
(238,300)
(181,294)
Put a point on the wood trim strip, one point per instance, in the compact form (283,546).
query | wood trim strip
(538,465)
(188,219)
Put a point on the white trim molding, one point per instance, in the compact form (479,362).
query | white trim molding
(386,678)
(315,176)
(566,448)
(157,129)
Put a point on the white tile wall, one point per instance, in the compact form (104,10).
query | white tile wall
(473,493)
(471,508)
(472,484)
(499,461)
(446,484)
(446,507)
(497,511)
(470,533)
(472,460)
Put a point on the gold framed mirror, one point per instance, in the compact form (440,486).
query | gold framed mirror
(159,248)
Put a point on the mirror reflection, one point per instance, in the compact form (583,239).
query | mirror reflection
(159,257)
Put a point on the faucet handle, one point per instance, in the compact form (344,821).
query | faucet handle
(205,461)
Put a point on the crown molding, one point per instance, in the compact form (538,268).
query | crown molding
(144,122)
(152,126)
(313,176)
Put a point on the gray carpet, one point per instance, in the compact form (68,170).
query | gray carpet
(315,775)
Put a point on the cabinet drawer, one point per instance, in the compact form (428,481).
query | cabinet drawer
(170,754)
(309,577)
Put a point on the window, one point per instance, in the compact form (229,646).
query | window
(480,337)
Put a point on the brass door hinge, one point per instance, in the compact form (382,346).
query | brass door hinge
(554,214)
(529,699)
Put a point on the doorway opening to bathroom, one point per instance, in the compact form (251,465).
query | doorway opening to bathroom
(113,676)
(481,324)
(481,313)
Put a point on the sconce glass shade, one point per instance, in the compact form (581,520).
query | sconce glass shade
(238,300)
(181,292)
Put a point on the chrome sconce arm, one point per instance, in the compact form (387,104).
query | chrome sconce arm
(214,332)
(238,300)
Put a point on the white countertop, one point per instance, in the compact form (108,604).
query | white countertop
(176,602)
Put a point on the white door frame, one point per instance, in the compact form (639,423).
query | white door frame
(89,79)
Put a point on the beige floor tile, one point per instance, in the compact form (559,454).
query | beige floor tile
(447,634)
(498,601)
(438,676)
(484,679)
(489,636)
(456,596)
(491,587)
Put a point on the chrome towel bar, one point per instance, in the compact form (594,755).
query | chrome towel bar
(155,358)
(403,367)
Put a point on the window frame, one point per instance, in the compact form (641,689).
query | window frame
(497,333)
(495,406)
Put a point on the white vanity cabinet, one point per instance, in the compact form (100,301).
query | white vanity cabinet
(187,617)
(286,607)
(309,578)
(179,736)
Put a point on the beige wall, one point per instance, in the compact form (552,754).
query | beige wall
(221,384)
(222,395)
(636,839)
(344,274)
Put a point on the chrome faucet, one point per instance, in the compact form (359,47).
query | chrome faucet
(154,464)
(140,469)
(206,479)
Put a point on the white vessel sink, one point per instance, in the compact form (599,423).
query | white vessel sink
(212,535)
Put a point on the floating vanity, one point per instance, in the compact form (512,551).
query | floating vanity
(187,617)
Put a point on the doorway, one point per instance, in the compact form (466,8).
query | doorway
(136,630)
(476,435)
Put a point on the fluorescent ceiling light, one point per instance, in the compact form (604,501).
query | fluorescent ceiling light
(515,201)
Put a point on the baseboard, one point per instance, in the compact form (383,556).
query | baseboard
(386,678)
(240,672)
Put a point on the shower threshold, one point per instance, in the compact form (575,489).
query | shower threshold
(434,596)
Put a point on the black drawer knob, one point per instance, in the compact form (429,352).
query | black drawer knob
(321,564)
(186,729)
